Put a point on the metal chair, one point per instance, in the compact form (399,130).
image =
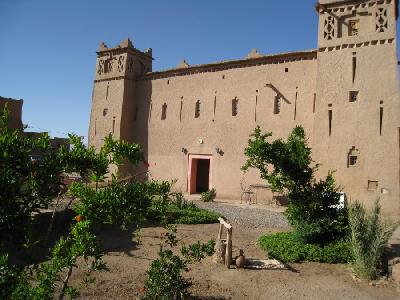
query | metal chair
(246,191)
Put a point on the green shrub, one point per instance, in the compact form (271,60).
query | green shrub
(286,165)
(190,214)
(209,196)
(164,278)
(286,247)
(117,204)
(369,235)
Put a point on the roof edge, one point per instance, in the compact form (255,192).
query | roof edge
(281,57)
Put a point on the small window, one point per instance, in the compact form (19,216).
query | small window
(235,107)
(105,112)
(353,96)
(353,27)
(286,70)
(135,113)
(353,157)
(352,160)
(197,109)
(164,111)
(277,105)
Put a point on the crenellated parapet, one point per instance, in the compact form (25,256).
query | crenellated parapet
(122,61)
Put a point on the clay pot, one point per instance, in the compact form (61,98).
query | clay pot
(240,260)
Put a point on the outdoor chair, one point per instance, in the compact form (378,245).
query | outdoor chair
(246,192)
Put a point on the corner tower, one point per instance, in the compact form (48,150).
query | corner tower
(113,97)
(356,128)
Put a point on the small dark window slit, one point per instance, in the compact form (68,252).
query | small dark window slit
(197,109)
(180,112)
(164,111)
(215,104)
(380,120)
(235,106)
(113,125)
(354,66)
(255,110)
(315,98)
(330,121)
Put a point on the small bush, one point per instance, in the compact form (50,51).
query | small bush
(164,278)
(190,214)
(369,236)
(286,247)
(209,196)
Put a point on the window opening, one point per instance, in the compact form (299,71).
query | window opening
(353,96)
(277,105)
(352,157)
(354,27)
(197,109)
(164,111)
(235,106)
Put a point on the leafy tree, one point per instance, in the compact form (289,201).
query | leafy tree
(312,209)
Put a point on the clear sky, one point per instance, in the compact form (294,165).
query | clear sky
(48,47)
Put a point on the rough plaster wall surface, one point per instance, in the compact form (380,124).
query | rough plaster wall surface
(166,138)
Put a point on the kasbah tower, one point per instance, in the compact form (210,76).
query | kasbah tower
(194,122)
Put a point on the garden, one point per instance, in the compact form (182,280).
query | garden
(131,239)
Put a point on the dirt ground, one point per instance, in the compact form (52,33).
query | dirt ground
(128,263)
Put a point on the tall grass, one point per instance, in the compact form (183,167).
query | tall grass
(370,233)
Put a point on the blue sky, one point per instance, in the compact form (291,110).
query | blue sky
(47,48)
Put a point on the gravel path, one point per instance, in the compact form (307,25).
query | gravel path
(247,216)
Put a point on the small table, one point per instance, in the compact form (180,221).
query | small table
(259,187)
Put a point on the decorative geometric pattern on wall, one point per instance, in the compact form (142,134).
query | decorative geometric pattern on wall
(381,19)
(100,69)
(120,66)
(329,28)
(130,65)
(109,66)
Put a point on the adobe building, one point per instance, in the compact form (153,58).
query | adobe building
(15,111)
(194,122)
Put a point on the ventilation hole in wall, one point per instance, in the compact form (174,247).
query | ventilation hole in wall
(135,113)
(105,111)
(330,105)
(330,121)
(353,96)
(314,100)
(113,125)
(380,120)
(181,97)
(286,70)
(372,185)
(180,111)
(277,105)
(381,102)
(256,91)
(168,81)
(352,157)
(223,76)
(235,106)
(354,66)
(164,111)
(197,109)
